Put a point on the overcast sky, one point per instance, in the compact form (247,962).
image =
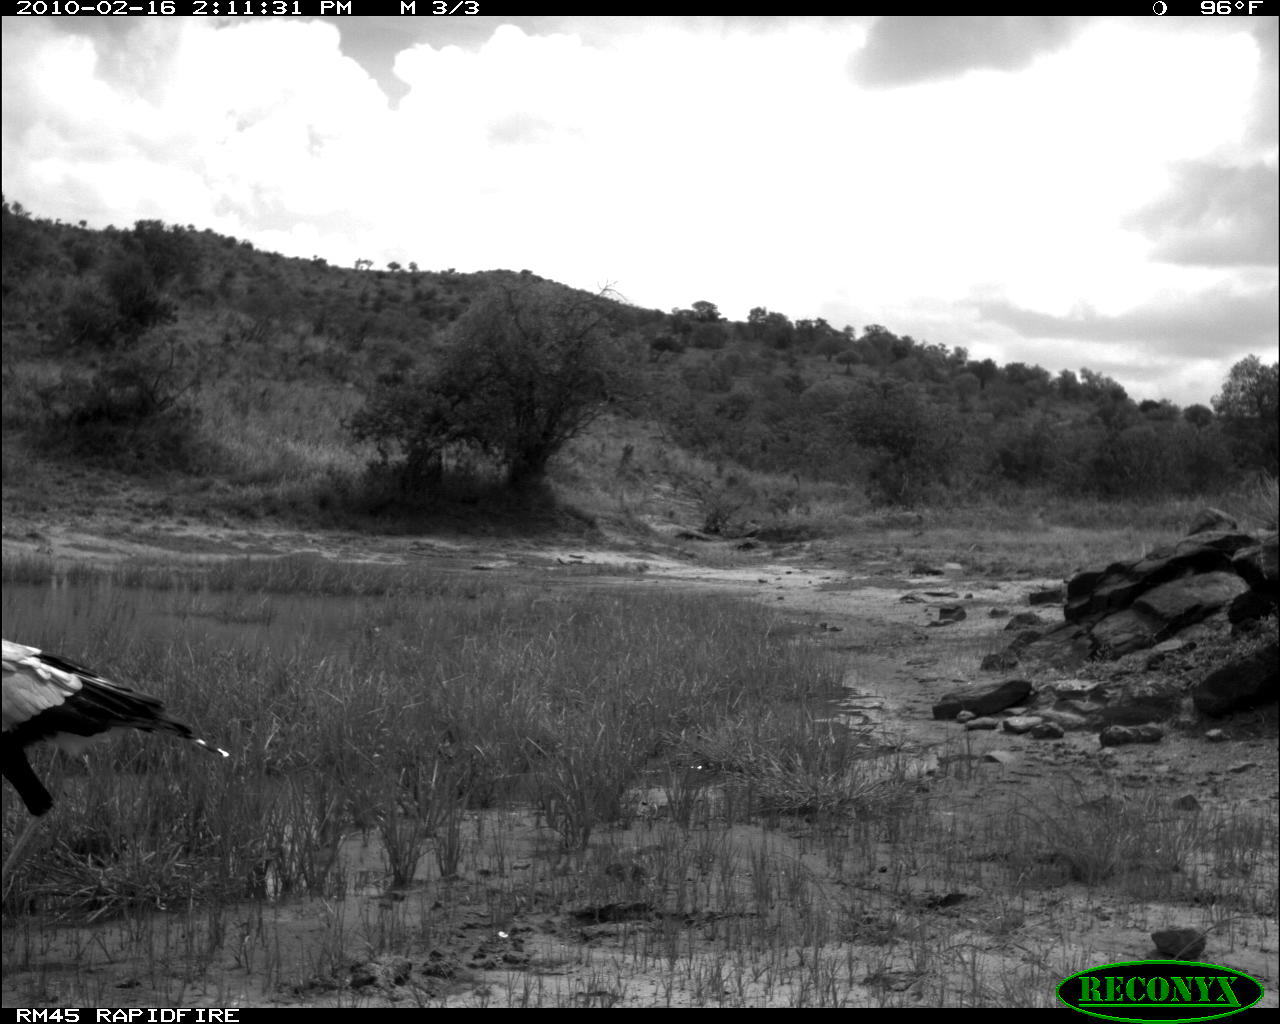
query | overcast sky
(1063,191)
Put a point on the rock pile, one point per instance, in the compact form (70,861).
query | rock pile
(1217,579)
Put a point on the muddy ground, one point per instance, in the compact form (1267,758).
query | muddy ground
(877,614)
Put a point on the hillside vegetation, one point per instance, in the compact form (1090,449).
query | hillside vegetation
(258,384)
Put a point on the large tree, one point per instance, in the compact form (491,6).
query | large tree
(526,369)
(1247,406)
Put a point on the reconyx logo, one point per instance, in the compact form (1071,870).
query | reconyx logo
(1164,990)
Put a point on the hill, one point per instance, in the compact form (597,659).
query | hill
(233,377)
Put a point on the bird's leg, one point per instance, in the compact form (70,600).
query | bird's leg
(18,852)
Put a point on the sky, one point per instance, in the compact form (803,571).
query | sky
(1063,191)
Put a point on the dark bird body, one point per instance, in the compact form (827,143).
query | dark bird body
(50,698)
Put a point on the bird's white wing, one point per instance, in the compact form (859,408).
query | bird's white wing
(32,686)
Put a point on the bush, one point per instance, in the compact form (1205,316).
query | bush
(917,447)
(130,408)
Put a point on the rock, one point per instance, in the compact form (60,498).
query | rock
(1215,736)
(965,716)
(1024,620)
(981,724)
(951,613)
(1131,714)
(998,613)
(1179,943)
(1000,661)
(1000,757)
(1075,689)
(1124,632)
(1180,603)
(1021,723)
(987,702)
(1256,565)
(1065,721)
(1186,802)
(1248,682)
(911,599)
(1195,549)
(1047,730)
(1211,519)
(1142,700)
(1249,607)
(1082,708)
(1054,595)
(1121,735)
(1065,647)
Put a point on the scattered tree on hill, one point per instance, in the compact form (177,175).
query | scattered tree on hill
(1162,410)
(830,345)
(772,329)
(986,371)
(170,253)
(665,344)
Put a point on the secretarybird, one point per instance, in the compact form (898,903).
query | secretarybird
(50,698)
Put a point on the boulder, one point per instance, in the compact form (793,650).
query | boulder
(1183,602)
(1248,682)
(1179,943)
(987,702)
(1065,720)
(1251,606)
(1256,565)
(1126,631)
(1211,519)
(1120,735)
